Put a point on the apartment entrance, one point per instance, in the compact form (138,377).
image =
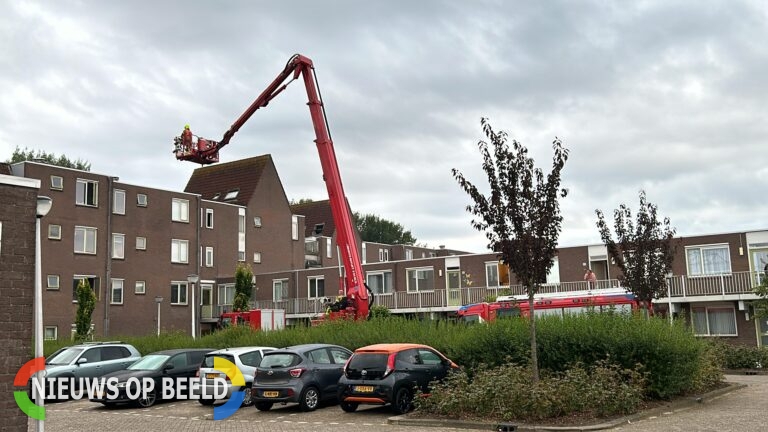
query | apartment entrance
(600,268)
(206,301)
(453,286)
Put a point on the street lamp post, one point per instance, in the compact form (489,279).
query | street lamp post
(192,279)
(158,300)
(43,207)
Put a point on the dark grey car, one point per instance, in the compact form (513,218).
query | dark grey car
(307,374)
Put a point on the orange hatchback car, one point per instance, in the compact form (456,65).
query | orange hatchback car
(390,374)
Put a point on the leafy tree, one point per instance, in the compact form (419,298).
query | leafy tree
(761,305)
(373,228)
(86,303)
(521,217)
(243,288)
(301,201)
(643,250)
(20,155)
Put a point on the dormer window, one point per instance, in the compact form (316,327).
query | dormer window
(231,194)
(319,228)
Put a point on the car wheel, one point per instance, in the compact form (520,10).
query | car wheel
(146,402)
(403,401)
(206,402)
(263,406)
(248,399)
(310,399)
(349,406)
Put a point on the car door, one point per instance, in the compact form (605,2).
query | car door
(325,371)
(248,363)
(115,358)
(339,357)
(180,368)
(434,363)
(92,366)
(409,363)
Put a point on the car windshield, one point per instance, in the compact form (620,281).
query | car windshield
(279,360)
(208,361)
(150,362)
(64,356)
(368,361)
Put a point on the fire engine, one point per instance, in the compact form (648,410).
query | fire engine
(357,297)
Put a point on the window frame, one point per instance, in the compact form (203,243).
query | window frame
(179,284)
(706,314)
(209,249)
(48,285)
(257,221)
(137,243)
(55,333)
(257,257)
(115,193)
(417,290)
(225,288)
(242,226)
(381,273)
(138,200)
(182,203)
(494,264)
(112,290)
(294,227)
(328,248)
(79,277)
(315,278)
(408,254)
(285,288)
(86,182)
(701,249)
(53,187)
(52,237)
(232,194)
(85,240)
(186,245)
(116,236)
(143,287)
(209,212)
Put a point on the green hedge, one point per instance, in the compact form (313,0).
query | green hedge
(671,355)
(740,356)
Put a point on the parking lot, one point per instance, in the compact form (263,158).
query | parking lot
(191,416)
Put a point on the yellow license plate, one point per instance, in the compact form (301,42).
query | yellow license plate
(364,389)
(271,394)
(211,376)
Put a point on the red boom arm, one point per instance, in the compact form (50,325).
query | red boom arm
(207,151)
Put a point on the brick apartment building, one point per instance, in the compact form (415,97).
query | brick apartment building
(135,243)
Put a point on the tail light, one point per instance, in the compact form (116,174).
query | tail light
(197,374)
(344,371)
(226,377)
(390,365)
(295,373)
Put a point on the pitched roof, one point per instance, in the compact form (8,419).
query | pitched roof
(215,182)
(315,213)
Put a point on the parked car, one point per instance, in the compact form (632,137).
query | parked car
(179,363)
(307,374)
(89,360)
(246,359)
(390,374)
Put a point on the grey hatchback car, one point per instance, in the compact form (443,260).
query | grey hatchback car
(307,374)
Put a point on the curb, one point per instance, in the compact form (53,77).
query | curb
(745,372)
(677,405)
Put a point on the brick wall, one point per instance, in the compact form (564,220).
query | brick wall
(17,269)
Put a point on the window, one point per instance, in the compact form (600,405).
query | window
(54,232)
(118,246)
(714,321)
(257,257)
(252,358)
(216,196)
(318,229)
(140,288)
(339,356)
(87,193)
(57,183)
(257,221)
(114,353)
(708,260)
(92,281)
(279,290)
(492,274)
(241,235)
(118,202)
(116,296)
(383,255)
(51,333)
(433,254)
(209,256)
(316,287)
(364,253)
(420,279)
(179,210)
(141,200)
(226,295)
(141,243)
(429,357)
(53,282)
(320,356)
(380,282)
(295,227)
(85,240)
(328,248)
(179,251)
(408,254)
(231,194)
(209,218)
(178,293)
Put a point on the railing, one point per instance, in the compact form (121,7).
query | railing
(312,248)
(679,286)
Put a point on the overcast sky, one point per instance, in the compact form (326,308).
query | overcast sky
(668,96)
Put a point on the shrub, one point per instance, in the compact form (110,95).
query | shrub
(379,311)
(507,393)
(740,356)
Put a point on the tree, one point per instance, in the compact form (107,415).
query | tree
(373,228)
(20,155)
(301,201)
(643,250)
(86,303)
(521,218)
(761,305)
(243,288)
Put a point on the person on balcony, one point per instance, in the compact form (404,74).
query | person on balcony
(591,279)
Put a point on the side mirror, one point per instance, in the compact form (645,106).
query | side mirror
(168,367)
(82,360)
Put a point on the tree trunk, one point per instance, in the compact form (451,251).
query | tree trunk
(534,348)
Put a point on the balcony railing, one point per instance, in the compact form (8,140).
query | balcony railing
(312,248)
(679,286)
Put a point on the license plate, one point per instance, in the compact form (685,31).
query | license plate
(211,376)
(363,389)
(271,394)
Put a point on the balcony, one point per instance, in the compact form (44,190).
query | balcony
(311,253)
